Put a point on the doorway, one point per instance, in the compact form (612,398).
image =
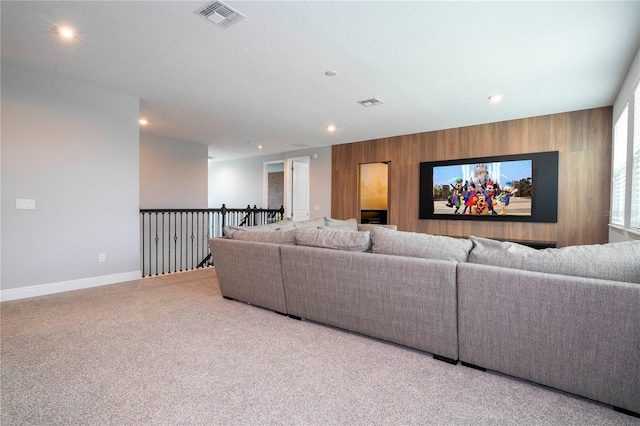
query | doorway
(273,190)
(374,193)
(294,173)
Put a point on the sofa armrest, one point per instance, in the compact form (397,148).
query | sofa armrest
(579,335)
(250,272)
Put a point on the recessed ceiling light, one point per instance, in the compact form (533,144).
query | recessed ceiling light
(495,98)
(65,32)
(330,73)
(331,128)
(143,122)
(259,146)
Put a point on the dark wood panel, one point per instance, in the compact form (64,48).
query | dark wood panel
(583,139)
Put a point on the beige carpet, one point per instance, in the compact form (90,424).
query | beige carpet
(171,351)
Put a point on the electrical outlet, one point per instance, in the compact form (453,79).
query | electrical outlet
(102,257)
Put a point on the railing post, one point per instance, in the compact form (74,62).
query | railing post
(142,244)
(223,212)
(175,243)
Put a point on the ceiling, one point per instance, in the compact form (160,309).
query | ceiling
(262,79)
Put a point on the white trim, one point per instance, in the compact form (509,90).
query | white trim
(622,229)
(59,287)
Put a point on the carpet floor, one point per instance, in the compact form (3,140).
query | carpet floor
(170,350)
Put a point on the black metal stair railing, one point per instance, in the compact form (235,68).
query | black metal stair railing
(175,240)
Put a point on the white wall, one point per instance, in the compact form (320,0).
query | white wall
(320,178)
(626,95)
(74,149)
(238,183)
(173,173)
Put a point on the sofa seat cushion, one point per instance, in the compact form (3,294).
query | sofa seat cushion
(612,261)
(279,237)
(413,244)
(334,239)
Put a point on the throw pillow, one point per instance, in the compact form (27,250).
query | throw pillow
(269,227)
(313,223)
(338,240)
(370,226)
(344,224)
(612,261)
(413,244)
(283,237)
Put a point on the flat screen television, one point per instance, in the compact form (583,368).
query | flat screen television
(521,187)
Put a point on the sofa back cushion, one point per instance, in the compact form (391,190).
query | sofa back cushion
(276,237)
(613,261)
(413,244)
(334,239)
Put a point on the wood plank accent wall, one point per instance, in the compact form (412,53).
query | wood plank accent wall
(583,139)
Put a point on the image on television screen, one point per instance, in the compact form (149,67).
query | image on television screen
(490,188)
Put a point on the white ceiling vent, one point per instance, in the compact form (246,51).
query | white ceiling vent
(220,14)
(371,102)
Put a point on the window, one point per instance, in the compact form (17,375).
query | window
(635,175)
(625,179)
(618,188)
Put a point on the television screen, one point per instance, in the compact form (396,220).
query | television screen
(520,187)
(483,188)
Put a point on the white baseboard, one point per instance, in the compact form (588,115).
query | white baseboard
(44,289)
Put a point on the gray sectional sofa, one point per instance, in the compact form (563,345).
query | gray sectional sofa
(567,318)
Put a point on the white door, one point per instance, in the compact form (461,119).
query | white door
(299,190)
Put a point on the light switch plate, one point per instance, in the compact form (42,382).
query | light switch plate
(25,204)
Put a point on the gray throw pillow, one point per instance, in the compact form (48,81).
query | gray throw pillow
(370,226)
(282,225)
(613,261)
(338,228)
(350,224)
(279,237)
(338,240)
(413,244)
(312,223)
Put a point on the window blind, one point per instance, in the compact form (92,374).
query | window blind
(618,187)
(635,175)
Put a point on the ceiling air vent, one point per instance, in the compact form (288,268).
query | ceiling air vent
(371,102)
(220,14)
